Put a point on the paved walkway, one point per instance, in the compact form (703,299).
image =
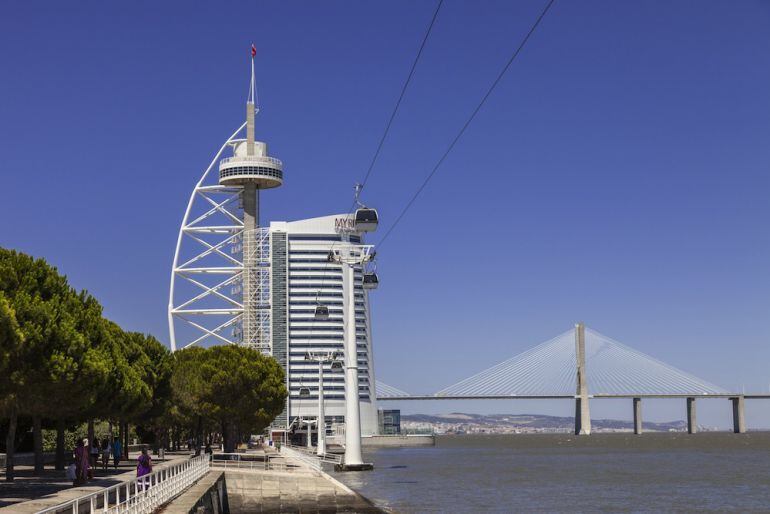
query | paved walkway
(29,493)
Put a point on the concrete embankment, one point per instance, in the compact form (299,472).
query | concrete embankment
(249,489)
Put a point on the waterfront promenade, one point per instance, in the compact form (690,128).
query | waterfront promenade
(29,493)
(291,485)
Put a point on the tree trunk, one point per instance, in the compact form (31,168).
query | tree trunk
(109,438)
(121,439)
(10,445)
(229,434)
(37,443)
(199,436)
(60,444)
(90,433)
(125,435)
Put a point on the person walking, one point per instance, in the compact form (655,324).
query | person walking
(81,462)
(117,452)
(94,454)
(106,452)
(143,469)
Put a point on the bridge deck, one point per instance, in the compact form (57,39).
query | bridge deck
(569,396)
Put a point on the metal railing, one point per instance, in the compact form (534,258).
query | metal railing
(294,453)
(329,458)
(267,464)
(140,495)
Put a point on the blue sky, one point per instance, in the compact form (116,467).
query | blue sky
(619,175)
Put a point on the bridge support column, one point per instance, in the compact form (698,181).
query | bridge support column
(692,424)
(637,416)
(582,412)
(739,420)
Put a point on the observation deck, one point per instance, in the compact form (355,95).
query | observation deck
(265,171)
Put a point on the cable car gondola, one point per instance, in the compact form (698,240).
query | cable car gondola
(336,364)
(371,281)
(304,392)
(321,313)
(366,219)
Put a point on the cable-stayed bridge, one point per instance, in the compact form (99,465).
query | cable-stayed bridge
(582,364)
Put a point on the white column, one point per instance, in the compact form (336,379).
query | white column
(321,423)
(353,455)
(582,412)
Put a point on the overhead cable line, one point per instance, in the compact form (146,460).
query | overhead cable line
(467,122)
(379,148)
(401,96)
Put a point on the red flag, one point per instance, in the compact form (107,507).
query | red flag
(253,51)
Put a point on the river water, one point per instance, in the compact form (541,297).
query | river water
(654,472)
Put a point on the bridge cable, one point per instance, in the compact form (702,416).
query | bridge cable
(467,122)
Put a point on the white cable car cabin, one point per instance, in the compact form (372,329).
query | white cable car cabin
(366,219)
(371,281)
(304,392)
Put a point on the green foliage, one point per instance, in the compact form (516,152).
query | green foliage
(56,368)
(228,385)
(60,359)
(11,338)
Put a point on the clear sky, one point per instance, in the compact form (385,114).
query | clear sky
(619,175)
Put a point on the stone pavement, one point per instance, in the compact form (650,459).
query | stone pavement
(295,491)
(29,493)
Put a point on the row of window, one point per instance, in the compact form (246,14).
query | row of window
(251,170)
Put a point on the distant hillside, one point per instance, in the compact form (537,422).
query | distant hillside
(534,421)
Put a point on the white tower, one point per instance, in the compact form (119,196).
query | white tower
(220,279)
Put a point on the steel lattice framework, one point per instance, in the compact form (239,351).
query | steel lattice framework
(206,292)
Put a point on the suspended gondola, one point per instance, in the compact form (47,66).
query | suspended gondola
(366,218)
(304,392)
(370,280)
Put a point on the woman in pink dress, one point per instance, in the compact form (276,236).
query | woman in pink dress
(144,468)
(82,464)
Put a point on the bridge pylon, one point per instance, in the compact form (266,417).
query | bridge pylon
(582,411)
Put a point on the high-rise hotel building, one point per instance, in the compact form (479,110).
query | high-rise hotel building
(301,279)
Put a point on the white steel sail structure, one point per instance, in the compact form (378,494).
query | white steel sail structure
(203,295)
(220,278)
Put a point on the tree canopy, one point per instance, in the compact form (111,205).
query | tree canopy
(62,361)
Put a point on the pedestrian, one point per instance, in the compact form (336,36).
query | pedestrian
(82,466)
(143,469)
(95,451)
(117,452)
(106,451)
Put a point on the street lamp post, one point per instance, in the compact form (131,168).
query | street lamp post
(322,358)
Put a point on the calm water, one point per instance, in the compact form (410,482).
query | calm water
(709,472)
